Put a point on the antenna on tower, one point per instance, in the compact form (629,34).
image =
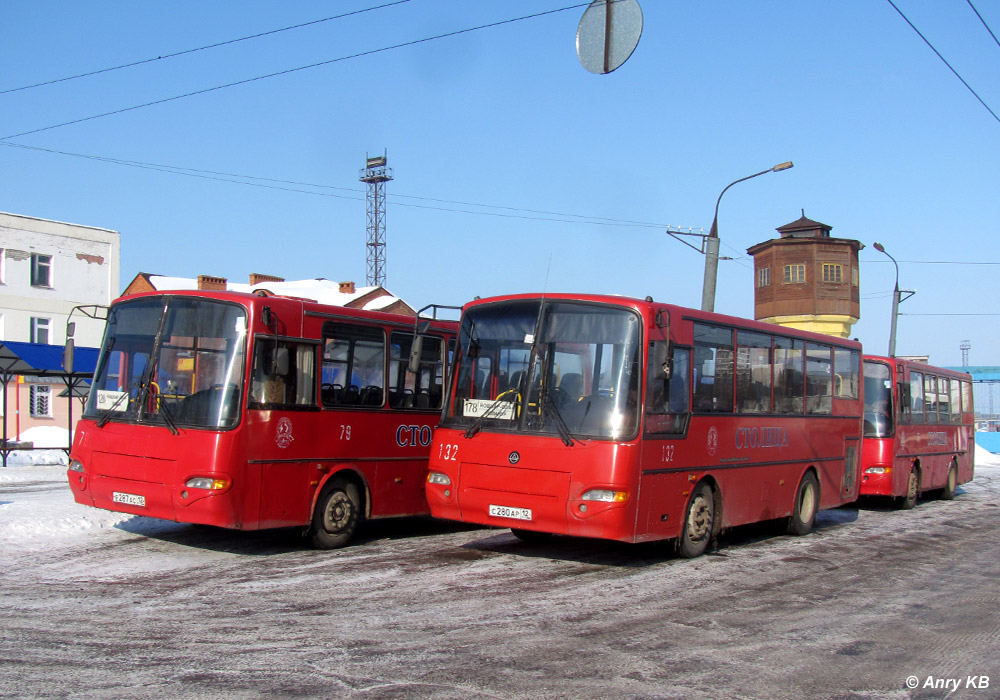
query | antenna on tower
(376,173)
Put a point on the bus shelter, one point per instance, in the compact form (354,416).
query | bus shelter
(39,360)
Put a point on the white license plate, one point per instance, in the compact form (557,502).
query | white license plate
(508,512)
(128,498)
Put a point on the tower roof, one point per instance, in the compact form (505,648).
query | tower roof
(804,228)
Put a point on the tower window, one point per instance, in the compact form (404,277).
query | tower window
(833,273)
(764,277)
(795,274)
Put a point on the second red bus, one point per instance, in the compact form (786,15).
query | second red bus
(626,419)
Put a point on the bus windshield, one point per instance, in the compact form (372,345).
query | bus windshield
(554,367)
(878,400)
(175,361)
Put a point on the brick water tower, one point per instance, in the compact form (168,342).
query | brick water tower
(807,279)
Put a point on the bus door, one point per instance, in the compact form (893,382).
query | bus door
(666,414)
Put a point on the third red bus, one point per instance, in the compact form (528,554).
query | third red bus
(918,430)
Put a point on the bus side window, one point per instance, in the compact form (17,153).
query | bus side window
(284,374)
(714,365)
(353,371)
(916,397)
(668,389)
(420,390)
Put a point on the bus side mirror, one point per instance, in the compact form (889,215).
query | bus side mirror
(68,355)
(413,366)
(904,395)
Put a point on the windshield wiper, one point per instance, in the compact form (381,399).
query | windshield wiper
(168,418)
(549,406)
(104,419)
(490,410)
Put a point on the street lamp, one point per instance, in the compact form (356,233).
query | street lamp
(895,301)
(712,243)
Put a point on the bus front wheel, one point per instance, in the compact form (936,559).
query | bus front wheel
(336,516)
(699,522)
(806,506)
(531,536)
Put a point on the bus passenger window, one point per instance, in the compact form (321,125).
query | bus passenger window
(353,372)
(753,372)
(916,407)
(713,369)
(421,390)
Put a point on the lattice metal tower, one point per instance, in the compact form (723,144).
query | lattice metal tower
(376,174)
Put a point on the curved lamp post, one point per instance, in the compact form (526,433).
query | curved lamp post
(895,301)
(712,242)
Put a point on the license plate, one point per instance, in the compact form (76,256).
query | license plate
(508,512)
(128,499)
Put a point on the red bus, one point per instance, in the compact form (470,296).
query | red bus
(251,412)
(918,431)
(624,419)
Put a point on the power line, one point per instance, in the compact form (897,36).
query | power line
(934,262)
(354,193)
(969,87)
(202,48)
(984,22)
(288,71)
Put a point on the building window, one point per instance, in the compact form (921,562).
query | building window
(764,277)
(41,270)
(40,330)
(795,274)
(833,273)
(855,276)
(41,401)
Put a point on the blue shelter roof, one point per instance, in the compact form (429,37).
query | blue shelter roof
(40,360)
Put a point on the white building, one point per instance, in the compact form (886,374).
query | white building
(46,269)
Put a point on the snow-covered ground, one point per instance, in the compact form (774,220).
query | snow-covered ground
(876,604)
(36,505)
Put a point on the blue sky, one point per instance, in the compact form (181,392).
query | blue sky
(888,146)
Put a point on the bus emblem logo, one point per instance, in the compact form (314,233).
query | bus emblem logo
(514,457)
(713,440)
(283,433)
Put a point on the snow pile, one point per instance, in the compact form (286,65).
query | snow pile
(986,460)
(41,436)
(35,501)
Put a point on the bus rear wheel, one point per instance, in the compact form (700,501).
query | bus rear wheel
(948,492)
(806,506)
(909,500)
(336,516)
(699,523)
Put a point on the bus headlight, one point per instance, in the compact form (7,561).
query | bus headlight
(605,496)
(201,482)
(438,478)
(878,470)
